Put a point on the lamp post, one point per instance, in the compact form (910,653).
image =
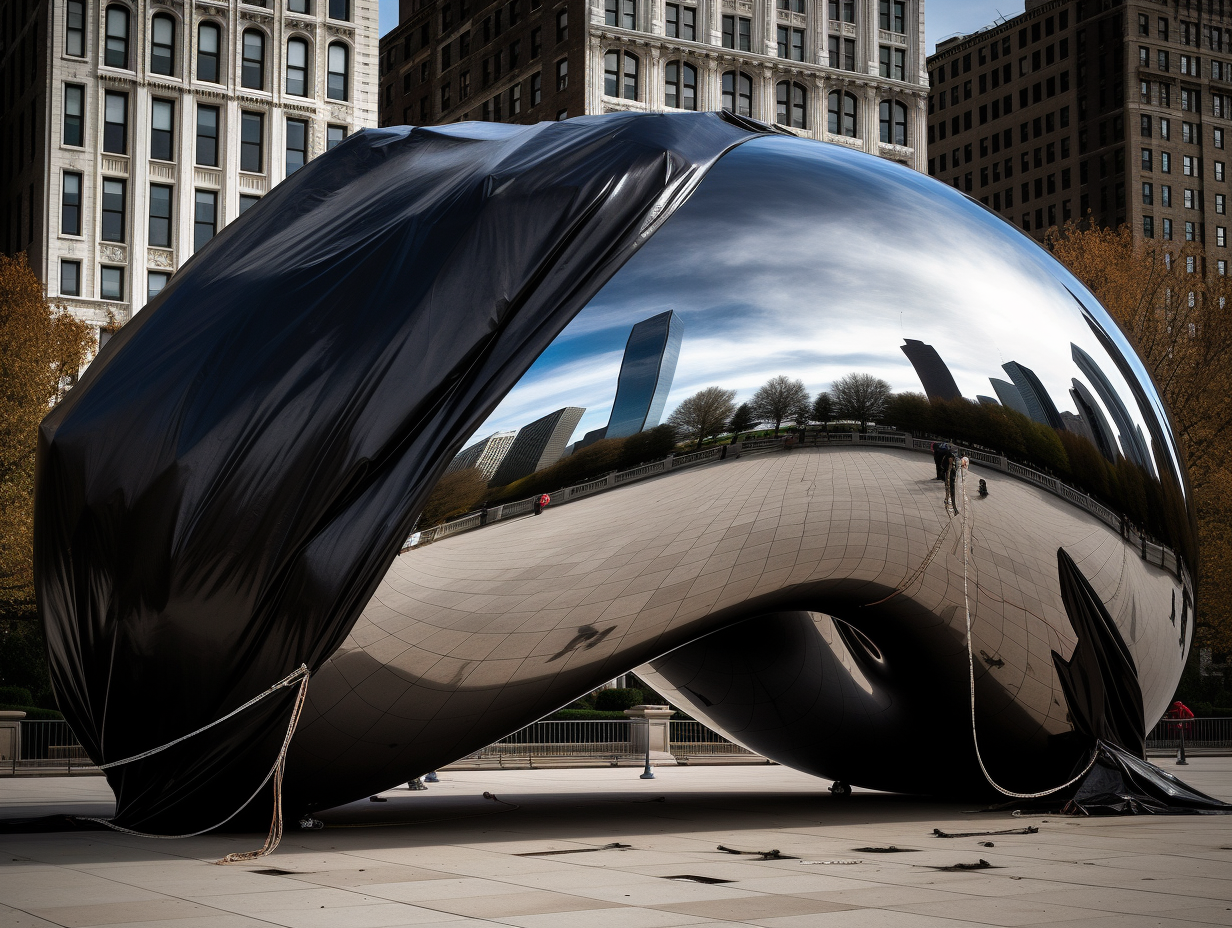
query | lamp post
(647,774)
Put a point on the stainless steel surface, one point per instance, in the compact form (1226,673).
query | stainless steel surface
(779,597)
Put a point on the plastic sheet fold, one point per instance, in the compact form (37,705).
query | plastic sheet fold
(219,496)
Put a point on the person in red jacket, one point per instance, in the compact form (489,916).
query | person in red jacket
(541,503)
(1181,716)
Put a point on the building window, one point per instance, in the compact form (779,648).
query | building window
(303,6)
(562,26)
(680,85)
(247,201)
(791,43)
(893,117)
(1190,231)
(738,93)
(160,215)
(113,210)
(115,122)
(297,67)
(1167,230)
(162,121)
(843,55)
(334,136)
(297,145)
(74,107)
(843,10)
(1221,204)
(1165,195)
(340,9)
(536,88)
(252,74)
(162,44)
(790,101)
(1148,226)
(1148,195)
(843,111)
(1165,162)
(252,144)
(1219,170)
(338,76)
(111,283)
(155,282)
(892,17)
(70,278)
(205,221)
(75,30)
(621,13)
(116,49)
(682,22)
(562,74)
(620,77)
(207,135)
(1221,236)
(208,40)
(536,42)
(737,33)
(70,204)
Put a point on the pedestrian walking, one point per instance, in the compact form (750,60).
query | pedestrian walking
(939,448)
(541,503)
(950,464)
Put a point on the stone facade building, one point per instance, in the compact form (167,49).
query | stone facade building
(1120,111)
(133,130)
(849,71)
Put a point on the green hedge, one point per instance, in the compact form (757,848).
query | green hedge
(583,715)
(33,712)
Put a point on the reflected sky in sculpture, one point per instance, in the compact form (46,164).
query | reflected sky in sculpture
(884,254)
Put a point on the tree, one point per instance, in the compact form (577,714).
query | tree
(779,398)
(704,414)
(861,397)
(741,421)
(454,495)
(823,407)
(42,348)
(1173,307)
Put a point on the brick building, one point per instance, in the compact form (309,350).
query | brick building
(1116,109)
(850,71)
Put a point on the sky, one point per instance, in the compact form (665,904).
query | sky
(941,17)
(814,261)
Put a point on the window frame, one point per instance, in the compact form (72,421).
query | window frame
(675,87)
(158,135)
(333,77)
(301,125)
(108,214)
(111,135)
(66,125)
(158,223)
(303,69)
(252,150)
(213,58)
(120,51)
(75,37)
(155,45)
(200,197)
(204,108)
(253,69)
(67,203)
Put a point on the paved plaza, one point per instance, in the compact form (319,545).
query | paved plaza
(536,855)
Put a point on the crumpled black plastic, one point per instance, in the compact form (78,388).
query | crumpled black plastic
(220,495)
(1122,784)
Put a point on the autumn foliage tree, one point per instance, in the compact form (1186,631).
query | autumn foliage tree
(1177,313)
(41,350)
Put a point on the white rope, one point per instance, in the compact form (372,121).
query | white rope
(971,664)
(276,772)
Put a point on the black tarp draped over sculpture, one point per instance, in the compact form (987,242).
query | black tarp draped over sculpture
(219,496)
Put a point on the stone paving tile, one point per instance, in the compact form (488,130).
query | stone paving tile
(623,917)
(760,906)
(531,902)
(122,913)
(1008,911)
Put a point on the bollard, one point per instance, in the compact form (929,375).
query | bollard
(647,774)
(1180,754)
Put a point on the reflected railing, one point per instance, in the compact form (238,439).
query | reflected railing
(1154,553)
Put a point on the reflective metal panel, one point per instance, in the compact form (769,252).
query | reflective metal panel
(809,598)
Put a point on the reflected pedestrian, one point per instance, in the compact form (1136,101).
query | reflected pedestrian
(541,503)
(939,449)
(950,464)
(483,513)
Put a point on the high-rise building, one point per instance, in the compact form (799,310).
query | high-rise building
(538,445)
(1009,396)
(1040,406)
(1088,408)
(938,382)
(850,71)
(486,454)
(646,373)
(1117,109)
(1133,443)
(133,131)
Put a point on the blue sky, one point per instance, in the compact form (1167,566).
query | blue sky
(941,17)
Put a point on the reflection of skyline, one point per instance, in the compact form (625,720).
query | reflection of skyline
(646,371)
(935,377)
(1132,443)
(1040,406)
(760,303)
(538,445)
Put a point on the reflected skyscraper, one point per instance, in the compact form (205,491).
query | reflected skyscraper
(486,454)
(538,445)
(1040,406)
(645,379)
(1009,395)
(1132,443)
(1088,408)
(939,383)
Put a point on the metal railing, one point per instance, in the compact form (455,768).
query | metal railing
(1205,734)
(47,747)
(689,738)
(599,738)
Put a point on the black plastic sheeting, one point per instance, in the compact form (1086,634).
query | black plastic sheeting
(220,495)
(1122,784)
(1104,698)
(1100,680)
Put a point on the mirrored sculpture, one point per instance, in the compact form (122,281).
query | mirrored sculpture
(547,298)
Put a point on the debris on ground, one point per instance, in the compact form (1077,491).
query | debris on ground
(761,855)
(1029,830)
